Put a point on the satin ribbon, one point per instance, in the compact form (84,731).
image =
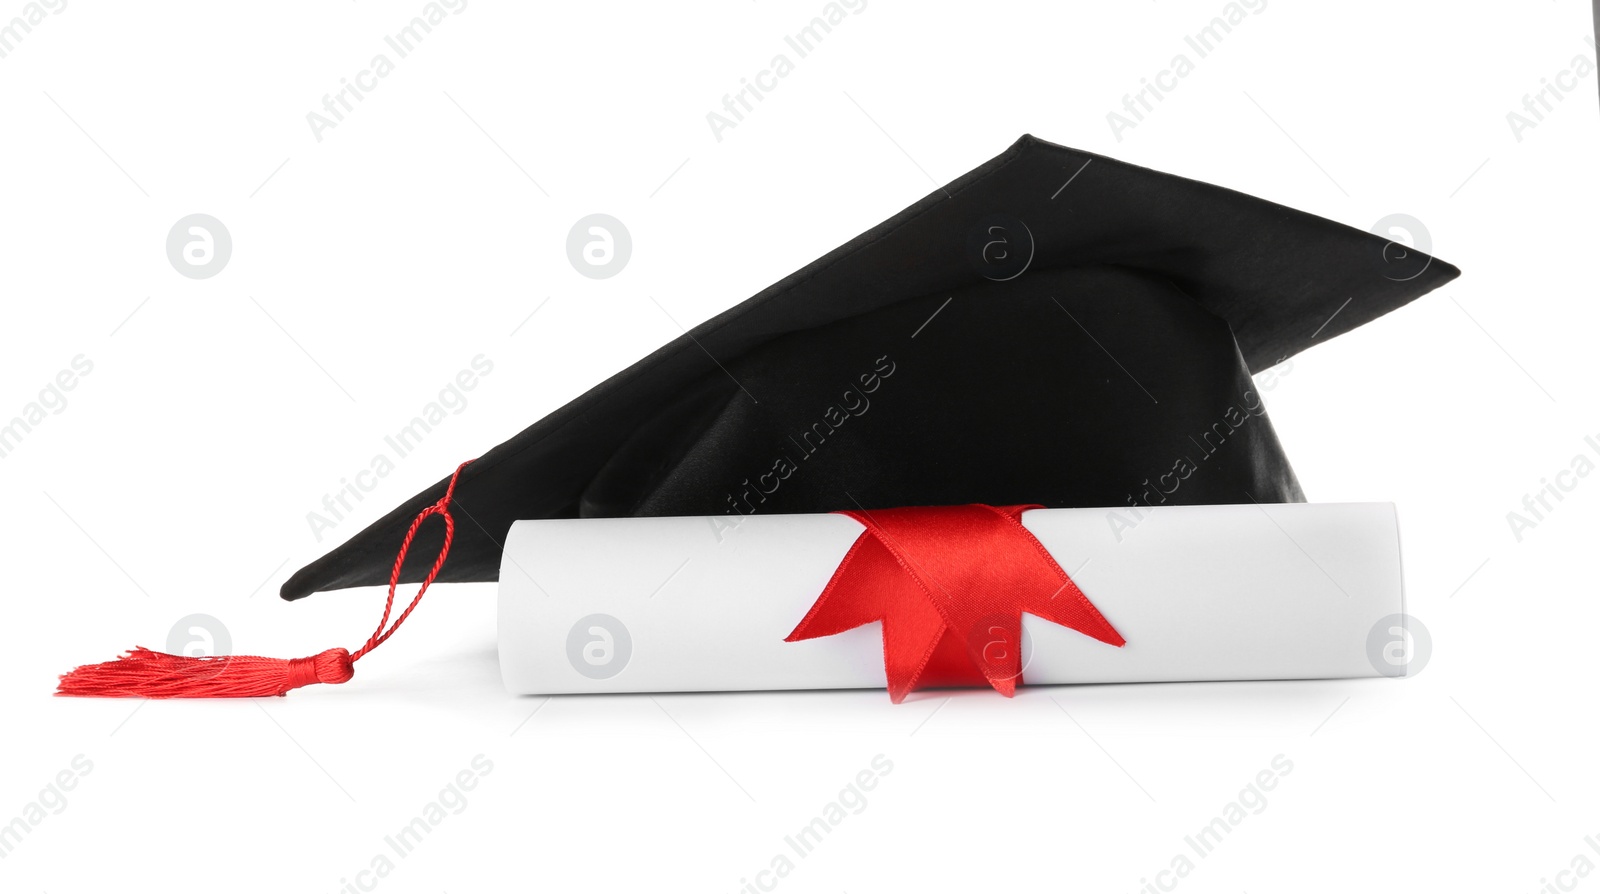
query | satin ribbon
(949,584)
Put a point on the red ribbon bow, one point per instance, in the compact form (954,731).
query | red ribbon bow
(950,584)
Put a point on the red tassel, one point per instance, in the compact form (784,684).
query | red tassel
(145,674)
(142,673)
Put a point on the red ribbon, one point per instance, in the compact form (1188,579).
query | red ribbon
(950,584)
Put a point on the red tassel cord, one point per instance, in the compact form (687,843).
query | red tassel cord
(142,673)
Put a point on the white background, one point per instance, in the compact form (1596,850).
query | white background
(369,267)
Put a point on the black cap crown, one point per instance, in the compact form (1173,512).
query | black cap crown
(1054,327)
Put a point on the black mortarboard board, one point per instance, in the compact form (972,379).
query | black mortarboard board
(1054,327)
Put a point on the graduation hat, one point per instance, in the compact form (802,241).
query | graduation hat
(1054,327)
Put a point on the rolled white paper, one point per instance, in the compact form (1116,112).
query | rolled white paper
(1238,592)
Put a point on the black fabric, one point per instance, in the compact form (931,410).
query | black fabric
(1112,369)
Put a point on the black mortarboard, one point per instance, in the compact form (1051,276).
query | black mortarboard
(1054,327)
